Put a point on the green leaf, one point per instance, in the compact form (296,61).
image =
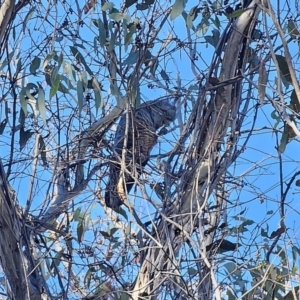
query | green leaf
(112,42)
(293,30)
(118,16)
(284,69)
(88,276)
(79,57)
(217,22)
(116,245)
(55,85)
(248,223)
(6,60)
(230,295)
(132,30)
(263,233)
(24,137)
(203,27)
(68,69)
(107,6)
(213,39)
(284,139)
(65,89)
(113,230)
(134,93)
(294,104)
(31,86)
(27,18)
(60,60)
(35,64)
(80,95)
(41,104)
(192,16)
(102,33)
(80,229)
(53,75)
(3,125)
(124,296)
(164,75)
(105,234)
(236,13)
(42,150)
(296,249)
(56,260)
(48,58)
(192,271)
(177,9)
(294,253)
(19,66)
(128,3)
(241,213)
(276,116)
(98,95)
(142,6)
(23,101)
(131,58)
(77,214)
(122,212)
(52,92)
(231,267)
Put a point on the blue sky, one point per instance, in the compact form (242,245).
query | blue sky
(257,166)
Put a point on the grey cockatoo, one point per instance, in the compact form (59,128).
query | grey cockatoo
(143,123)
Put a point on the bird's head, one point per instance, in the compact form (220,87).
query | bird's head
(169,109)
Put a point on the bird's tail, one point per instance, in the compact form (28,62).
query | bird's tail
(117,191)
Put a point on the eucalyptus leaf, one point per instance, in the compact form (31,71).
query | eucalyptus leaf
(107,6)
(132,30)
(292,29)
(42,150)
(3,125)
(25,135)
(41,104)
(27,17)
(98,95)
(128,3)
(142,6)
(284,69)
(79,57)
(23,100)
(80,95)
(35,64)
(236,13)
(119,16)
(131,58)
(177,9)
(48,58)
(102,33)
(55,86)
(284,140)
(80,230)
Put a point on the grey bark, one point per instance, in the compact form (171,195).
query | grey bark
(204,169)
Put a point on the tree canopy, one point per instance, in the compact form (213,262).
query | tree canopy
(213,211)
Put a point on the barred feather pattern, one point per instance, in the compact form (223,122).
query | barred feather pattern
(143,123)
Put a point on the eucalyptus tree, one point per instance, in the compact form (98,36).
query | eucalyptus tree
(195,216)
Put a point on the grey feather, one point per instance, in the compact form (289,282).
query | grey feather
(143,123)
